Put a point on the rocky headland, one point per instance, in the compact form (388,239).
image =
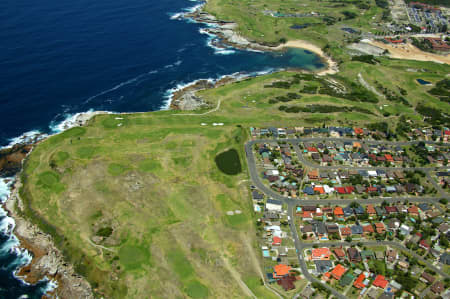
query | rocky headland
(47,260)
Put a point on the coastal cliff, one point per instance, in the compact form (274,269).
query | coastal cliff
(47,260)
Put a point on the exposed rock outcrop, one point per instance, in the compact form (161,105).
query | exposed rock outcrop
(47,260)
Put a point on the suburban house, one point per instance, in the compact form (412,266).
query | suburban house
(338,271)
(320,253)
(361,282)
(427,278)
(280,271)
(354,255)
(274,205)
(380,282)
(339,253)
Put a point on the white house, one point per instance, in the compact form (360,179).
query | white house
(274,205)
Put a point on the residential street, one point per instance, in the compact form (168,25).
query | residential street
(292,203)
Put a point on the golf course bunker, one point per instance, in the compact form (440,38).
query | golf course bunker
(228,162)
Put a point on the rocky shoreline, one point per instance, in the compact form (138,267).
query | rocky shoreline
(185,98)
(227,37)
(47,260)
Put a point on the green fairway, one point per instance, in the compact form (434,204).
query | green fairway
(155,190)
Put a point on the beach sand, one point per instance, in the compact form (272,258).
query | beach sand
(301,44)
(408,51)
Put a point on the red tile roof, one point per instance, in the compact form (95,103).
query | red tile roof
(346,231)
(349,189)
(368,228)
(359,281)
(338,271)
(339,252)
(370,209)
(380,282)
(340,190)
(321,253)
(338,211)
(281,270)
(276,240)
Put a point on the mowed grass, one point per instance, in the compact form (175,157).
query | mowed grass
(153,178)
(156,187)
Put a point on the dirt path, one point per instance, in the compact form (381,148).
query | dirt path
(256,265)
(99,246)
(368,86)
(237,277)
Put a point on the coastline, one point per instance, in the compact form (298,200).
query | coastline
(227,38)
(46,261)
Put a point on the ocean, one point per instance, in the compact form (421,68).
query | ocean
(58,58)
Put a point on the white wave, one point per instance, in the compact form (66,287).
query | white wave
(50,286)
(187,10)
(130,81)
(170,92)
(194,8)
(253,50)
(73,120)
(27,137)
(225,52)
(12,245)
(176,16)
(5,185)
(210,43)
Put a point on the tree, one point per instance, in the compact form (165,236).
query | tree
(348,239)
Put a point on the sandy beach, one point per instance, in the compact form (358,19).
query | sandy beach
(301,44)
(408,51)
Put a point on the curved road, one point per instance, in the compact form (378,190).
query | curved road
(292,203)
(269,192)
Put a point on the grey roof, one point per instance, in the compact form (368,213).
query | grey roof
(347,211)
(274,202)
(380,211)
(319,227)
(323,266)
(445,258)
(357,229)
(257,195)
(424,206)
(359,210)
(363,173)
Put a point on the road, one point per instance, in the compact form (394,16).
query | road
(376,243)
(272,194)
(292,203)
(349,167)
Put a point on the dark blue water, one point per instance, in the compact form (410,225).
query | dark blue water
(423,82)
(62,57)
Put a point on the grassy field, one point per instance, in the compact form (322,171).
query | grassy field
(151,193)
(320,22)
(146,186)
